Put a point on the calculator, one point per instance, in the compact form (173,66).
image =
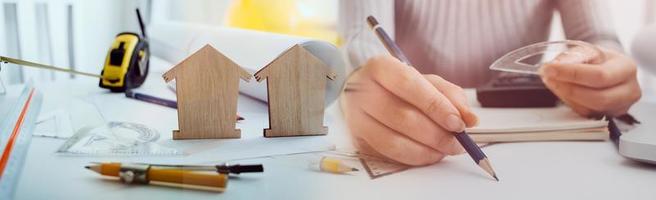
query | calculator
(513,90)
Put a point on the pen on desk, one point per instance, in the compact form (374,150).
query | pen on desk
(157,100)
(147,174)
(467,143)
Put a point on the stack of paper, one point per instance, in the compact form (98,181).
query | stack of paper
(535,124)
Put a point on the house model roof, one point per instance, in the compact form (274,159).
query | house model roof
(263,73)
(173,72)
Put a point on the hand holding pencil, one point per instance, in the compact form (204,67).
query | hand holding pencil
(399,113)
(411,123)
(406,116)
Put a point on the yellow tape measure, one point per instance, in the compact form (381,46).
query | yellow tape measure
(126,64)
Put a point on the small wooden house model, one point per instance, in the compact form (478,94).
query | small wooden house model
(296,84)
(207,87)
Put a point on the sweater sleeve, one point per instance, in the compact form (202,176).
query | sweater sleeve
(588,20)
(360,43)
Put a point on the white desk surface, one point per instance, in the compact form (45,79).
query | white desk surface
(541,170)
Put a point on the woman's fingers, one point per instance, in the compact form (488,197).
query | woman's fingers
(580,54)
(366,149)
(612,101)
(409,85)
(601,87)
(456,95)
(404,118)
(392,144)
(615,70)
(581,110)
(402,115)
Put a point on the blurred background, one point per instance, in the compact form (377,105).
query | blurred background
(77,33)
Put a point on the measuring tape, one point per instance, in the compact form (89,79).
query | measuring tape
(15,136)
(126,64)
(43,66)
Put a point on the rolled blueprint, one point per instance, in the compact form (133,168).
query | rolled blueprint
(252,50)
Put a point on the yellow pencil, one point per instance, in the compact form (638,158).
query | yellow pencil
(146,174)
(334,165)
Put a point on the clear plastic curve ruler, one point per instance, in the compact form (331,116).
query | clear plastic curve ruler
(15,135)
(530,58)
(116,139)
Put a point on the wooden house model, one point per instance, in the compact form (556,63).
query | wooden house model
(296,84)
(207,87)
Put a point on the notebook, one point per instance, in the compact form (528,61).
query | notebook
(535,124)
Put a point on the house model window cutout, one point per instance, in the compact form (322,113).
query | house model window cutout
(296,84)
(207,87)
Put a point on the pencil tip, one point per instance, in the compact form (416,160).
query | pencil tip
(355,169)
(95,168)
(485,164)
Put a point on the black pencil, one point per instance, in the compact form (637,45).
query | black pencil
(467,143)
(157,100)
(151,99)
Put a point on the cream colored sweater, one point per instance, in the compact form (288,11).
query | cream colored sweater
(459,39)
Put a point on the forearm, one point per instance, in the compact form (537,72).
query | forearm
(359,43)
(590,21)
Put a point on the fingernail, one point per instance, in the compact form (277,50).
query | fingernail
(559,61)
(571,57)
(474,118)
(546,81)
(541,69)
(548,71)
(554,61)
(454,123)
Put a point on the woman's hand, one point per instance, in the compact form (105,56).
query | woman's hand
(592,90)
(394,111)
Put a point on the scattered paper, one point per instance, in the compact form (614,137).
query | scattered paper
(252,143)
(54,124)
(377,167)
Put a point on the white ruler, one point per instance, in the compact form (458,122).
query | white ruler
(15,135)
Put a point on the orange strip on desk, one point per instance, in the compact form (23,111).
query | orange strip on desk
(14,134)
